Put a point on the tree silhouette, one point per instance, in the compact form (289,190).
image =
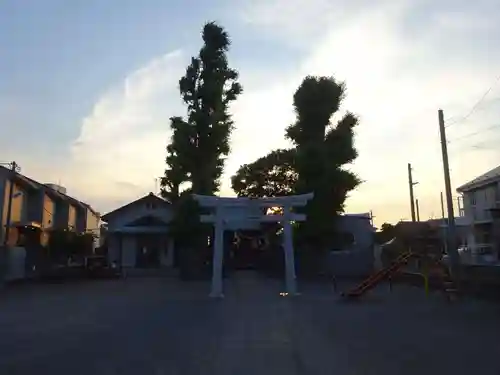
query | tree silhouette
(200,141)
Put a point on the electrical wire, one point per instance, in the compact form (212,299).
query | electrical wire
(478,146)
(474,107)
(492,127)
(483,145)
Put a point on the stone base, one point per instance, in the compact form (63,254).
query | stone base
(216,295)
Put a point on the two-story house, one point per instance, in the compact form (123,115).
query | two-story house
(83,218)
(36,208)
(481,207)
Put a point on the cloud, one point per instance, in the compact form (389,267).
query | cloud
(298,23)
(401,61)
(125,135)
(396,80)
(260,117)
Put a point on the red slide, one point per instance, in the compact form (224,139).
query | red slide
(374,279)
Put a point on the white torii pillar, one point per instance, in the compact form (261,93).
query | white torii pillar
(290,277)
(218,256)
(218,220)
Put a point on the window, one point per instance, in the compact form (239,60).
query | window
(486,237)
(472,199)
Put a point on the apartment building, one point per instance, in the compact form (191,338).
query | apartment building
(481,207)
(35,208)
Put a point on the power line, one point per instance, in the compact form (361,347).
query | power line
(475,106)
(479,146)
(484,145)
(492,127)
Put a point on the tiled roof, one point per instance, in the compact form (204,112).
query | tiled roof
(148,196)
(486,178)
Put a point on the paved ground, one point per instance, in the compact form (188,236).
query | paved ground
(163,326)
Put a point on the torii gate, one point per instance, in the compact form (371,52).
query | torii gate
(219,221)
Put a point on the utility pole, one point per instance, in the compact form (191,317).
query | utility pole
(13,169)
(3,256)
(418,209)
(442,206)
(412,198)
(445,226)
(451,232)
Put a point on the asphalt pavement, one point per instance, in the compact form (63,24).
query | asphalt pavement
(166,326)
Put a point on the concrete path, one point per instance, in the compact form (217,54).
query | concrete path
(164,326)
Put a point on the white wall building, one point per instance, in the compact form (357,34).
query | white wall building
(138,235)
(481,205)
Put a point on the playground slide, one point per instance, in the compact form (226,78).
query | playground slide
(374,279)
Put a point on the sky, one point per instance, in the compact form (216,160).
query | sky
(87,88)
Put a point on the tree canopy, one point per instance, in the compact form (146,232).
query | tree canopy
(270,176)
(315,163)
(386,233)
(200,142)
(66,243)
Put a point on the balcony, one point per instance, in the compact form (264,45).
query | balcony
(481,216)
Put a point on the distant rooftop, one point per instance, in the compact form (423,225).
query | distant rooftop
(459,221)
(484,179)
(364,215)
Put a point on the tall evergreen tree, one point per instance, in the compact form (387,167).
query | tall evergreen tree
(200,142)
(315,163)
(177,171)
(322,149)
